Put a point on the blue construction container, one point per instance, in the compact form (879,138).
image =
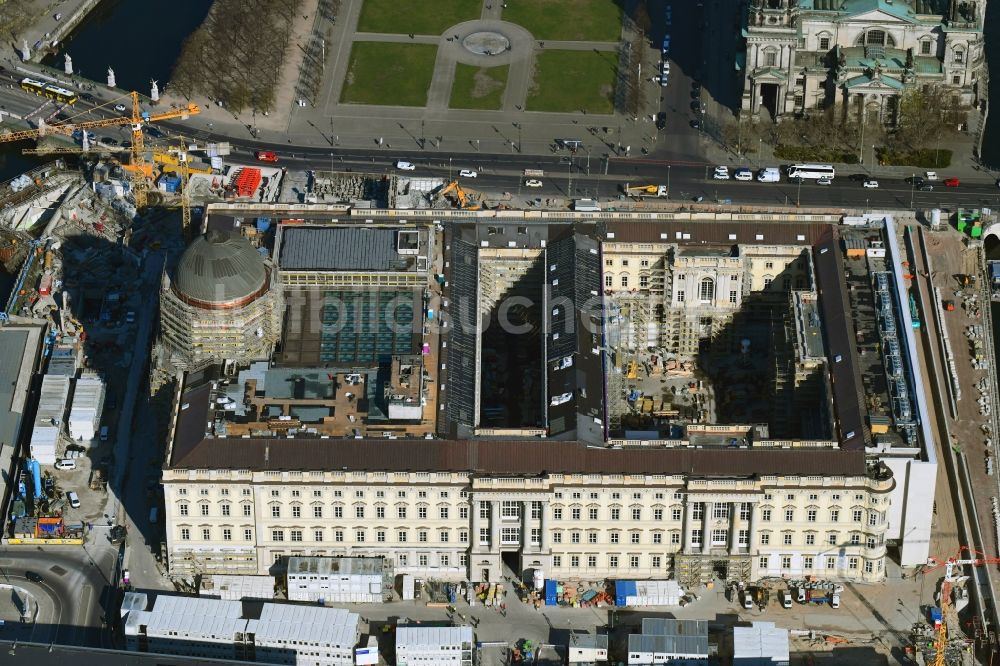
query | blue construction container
(551,596)
(170,183)
(623,590)
(263,224)
(936,617)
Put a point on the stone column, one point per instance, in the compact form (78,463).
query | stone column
(543,540)
(495,526)
(706,527)
(476,523)
(688,524)
(752,539)
(734,525)
(526,544)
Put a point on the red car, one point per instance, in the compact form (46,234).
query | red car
(951,182)
(266,156)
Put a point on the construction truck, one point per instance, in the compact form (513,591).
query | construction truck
(645,190)
(460,198)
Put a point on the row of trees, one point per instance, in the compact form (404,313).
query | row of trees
(236,55)
(925,119)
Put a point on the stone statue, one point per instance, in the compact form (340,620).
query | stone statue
(68,67)
(25,52)
(154,92)
(111,78)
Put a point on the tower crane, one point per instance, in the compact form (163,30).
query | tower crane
(139,171)
(183,157)
(953,569)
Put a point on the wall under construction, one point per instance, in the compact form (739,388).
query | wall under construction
(192,336)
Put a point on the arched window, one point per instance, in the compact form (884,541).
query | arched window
(875,38)
(706,290)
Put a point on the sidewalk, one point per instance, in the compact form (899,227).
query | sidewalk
(964,165)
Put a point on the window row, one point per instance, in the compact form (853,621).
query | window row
(338,494)
(320,511)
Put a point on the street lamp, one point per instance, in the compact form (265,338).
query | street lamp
(912,183)
(668,181)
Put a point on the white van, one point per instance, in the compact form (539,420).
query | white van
(769,175)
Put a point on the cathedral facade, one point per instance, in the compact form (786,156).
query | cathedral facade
(861,55)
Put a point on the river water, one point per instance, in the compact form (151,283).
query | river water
(139,39)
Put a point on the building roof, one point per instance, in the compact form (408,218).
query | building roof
(435,638)
(220,267)
(507,457)
(866,80)
(44,654)
(902,9)
(697,232)
(839,336)
(760,641)
(319,248)
(340,566)
(290,623)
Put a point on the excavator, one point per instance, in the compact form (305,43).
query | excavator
(462,199)
(139,171)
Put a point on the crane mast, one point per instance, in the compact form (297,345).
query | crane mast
(139,171)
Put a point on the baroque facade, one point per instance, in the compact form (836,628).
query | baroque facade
(860,54)
(629,522)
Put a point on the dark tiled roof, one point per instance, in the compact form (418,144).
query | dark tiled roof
(845,373)
(509,457)
(710,232)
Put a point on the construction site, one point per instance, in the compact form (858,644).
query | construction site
(696,332)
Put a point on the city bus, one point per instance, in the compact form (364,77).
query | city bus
(48,90)
(811,171)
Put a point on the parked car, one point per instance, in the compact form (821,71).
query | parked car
(951,182)
(930,175)
(32,576)
(917,181)
(721,173)
(743,173)
(468,173)
(871,184)
(824,181)
(120,108)
(405,166)
(661,120)
(65,463)
(926,188)
(74,499)
(532,182)
(858,177)
(266,156)
(696,124)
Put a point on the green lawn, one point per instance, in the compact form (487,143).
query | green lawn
(568,81)
(478,87)
(390,74)
(425,17)
(572,20)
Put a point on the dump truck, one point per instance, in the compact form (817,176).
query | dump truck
(645,190)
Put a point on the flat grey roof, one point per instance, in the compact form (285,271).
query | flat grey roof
(12,348)
(339,249)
